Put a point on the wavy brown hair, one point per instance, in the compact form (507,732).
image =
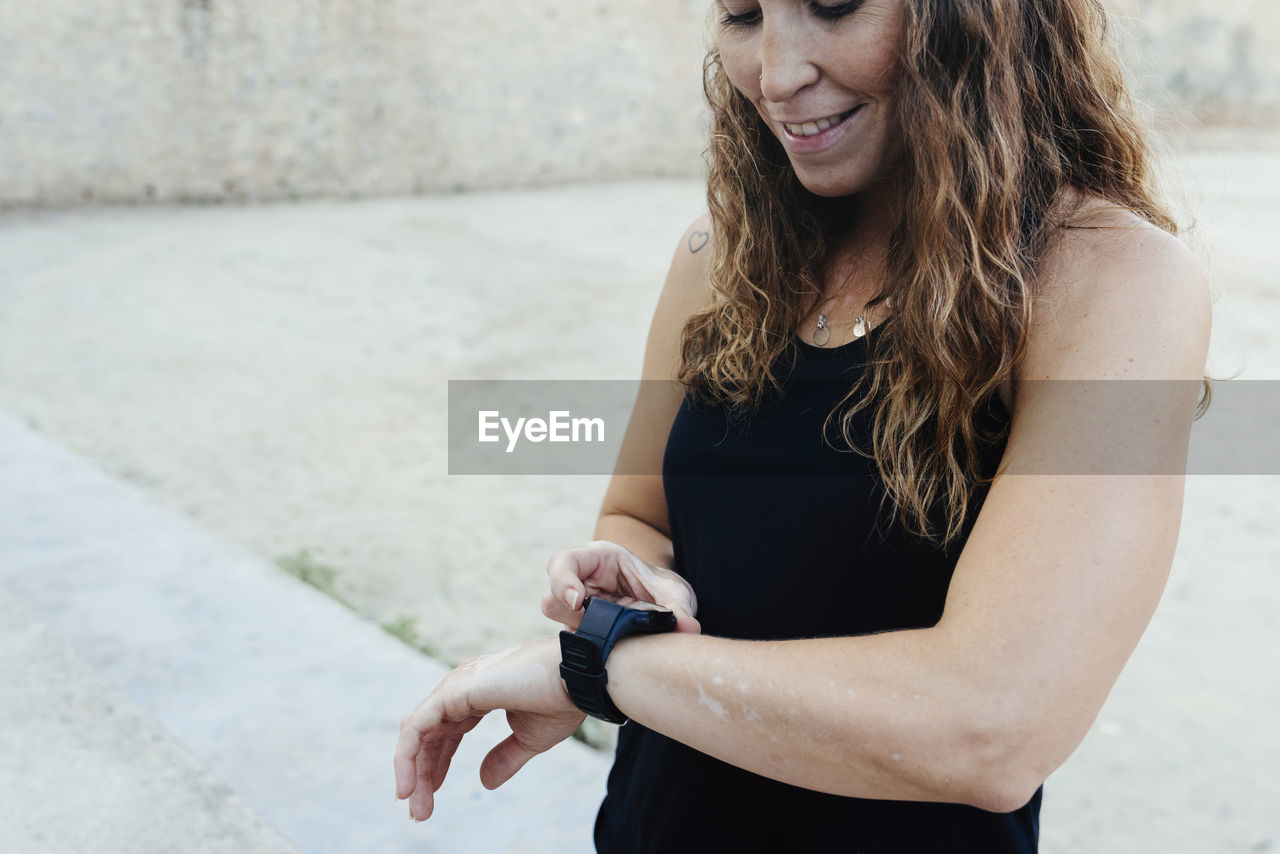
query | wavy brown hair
(1003,104)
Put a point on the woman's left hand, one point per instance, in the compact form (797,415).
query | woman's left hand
(523,680)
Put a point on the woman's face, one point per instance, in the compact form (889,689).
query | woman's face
(822,76)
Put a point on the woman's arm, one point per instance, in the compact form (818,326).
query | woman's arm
(1057,582)
(894,715)
(1049,597)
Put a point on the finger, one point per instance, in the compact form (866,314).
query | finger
(432,763)
(553,608)
(572,569)
(406,771)
(420,732)
(405,761)
(503,762)
(686,622)
(445,754)
(679,598)
(567,587)
(422,803)
(662,591)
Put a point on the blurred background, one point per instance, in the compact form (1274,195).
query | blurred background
(229,100)
(243,248)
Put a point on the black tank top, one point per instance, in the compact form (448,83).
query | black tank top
(782,537)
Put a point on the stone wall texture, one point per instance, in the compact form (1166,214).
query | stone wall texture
(212,100)
(1214,62)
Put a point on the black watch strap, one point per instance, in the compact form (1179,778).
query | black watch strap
(583,653)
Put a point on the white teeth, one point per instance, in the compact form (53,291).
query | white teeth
(817,126)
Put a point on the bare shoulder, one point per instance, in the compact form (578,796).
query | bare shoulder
(686,291)
(697,237)
(692,260)
(1118,298)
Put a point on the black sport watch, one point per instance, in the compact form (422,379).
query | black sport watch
(583,653)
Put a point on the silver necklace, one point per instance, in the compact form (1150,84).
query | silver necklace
(823,333)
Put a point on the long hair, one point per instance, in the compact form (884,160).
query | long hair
(1002,104)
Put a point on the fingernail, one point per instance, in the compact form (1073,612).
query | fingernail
(572,598)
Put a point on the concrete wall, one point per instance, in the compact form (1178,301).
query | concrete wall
(205,99)
(169,100)
(1204,61)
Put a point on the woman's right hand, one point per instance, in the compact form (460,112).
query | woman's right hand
(609,571)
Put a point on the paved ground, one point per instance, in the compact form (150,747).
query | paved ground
(86,770)
(273,377)
(168,690)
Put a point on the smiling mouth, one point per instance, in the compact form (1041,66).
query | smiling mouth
(817,126)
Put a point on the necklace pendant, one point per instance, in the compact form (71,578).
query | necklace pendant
(859,327)
(823,334)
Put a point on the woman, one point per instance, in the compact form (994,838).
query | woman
(932,251)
